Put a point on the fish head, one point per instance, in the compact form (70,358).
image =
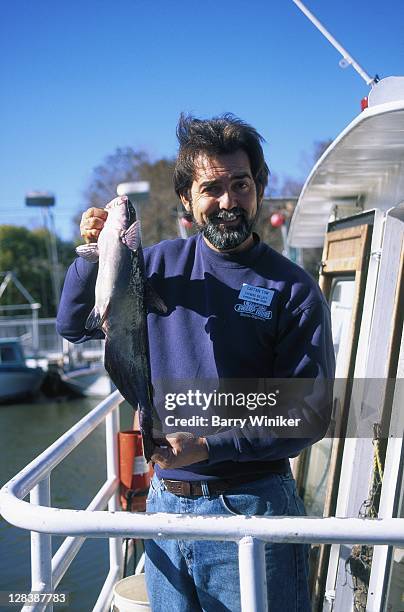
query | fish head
(121,213)
(121,226)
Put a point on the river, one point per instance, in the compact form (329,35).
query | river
(25,431)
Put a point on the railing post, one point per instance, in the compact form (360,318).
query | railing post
(253,583)
(111,432)
(41,547)
(115,544)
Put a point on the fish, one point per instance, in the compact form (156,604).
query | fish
(123,297)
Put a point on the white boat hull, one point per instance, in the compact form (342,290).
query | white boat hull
(91,382)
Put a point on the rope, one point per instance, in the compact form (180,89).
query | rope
(359,563)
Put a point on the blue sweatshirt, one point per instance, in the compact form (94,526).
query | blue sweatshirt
(247,315)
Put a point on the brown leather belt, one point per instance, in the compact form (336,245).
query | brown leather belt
(190,488)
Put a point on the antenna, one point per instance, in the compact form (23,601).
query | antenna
(347,60)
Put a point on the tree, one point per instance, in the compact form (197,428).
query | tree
(126,165)
(26,253)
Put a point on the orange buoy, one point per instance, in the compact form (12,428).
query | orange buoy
(134,473)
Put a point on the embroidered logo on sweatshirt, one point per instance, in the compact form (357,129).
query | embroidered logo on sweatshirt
(255,302)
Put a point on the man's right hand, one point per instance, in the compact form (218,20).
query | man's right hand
(92,222)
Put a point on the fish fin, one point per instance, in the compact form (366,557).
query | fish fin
(88,251)
(95,319)
(132,237)
(153,300)
(120,378)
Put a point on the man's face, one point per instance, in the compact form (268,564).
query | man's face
(224,200)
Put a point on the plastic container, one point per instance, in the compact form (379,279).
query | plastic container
(130,595)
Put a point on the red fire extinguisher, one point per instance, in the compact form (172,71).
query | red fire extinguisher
(134,473)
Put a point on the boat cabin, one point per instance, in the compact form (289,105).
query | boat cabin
(352,205)
(11,353)
(17,380)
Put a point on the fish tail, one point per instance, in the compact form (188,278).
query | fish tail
(146,428)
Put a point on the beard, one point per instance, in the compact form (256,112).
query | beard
(225,238)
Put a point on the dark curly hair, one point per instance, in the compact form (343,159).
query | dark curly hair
(217,136)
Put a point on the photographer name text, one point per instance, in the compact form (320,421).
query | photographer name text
(218,421)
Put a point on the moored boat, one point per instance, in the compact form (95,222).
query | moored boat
(90,381)
(17,380)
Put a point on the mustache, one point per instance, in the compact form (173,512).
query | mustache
(227,215)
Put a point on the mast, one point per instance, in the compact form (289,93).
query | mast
(347,60)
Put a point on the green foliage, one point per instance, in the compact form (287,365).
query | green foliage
(27,254)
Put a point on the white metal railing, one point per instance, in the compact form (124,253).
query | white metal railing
(251,533)
(47,572)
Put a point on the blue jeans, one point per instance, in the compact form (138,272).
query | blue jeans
(190,576)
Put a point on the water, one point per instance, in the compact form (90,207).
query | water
(25,431)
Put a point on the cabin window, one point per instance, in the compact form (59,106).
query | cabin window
(341,303)
(7,354)
(342,296)
(316,479)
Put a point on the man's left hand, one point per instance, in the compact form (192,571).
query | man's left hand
(183,449)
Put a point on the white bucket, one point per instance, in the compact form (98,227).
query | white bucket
(130,595)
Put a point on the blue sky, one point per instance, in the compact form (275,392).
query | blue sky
(82,77)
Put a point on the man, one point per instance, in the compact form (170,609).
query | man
(236,310)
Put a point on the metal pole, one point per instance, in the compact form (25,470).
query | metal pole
(111,433)
(285,249)
(54,257)
(253,582)
(67,360)
(347,57)
(41,547)
(7,278)
(35,331)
